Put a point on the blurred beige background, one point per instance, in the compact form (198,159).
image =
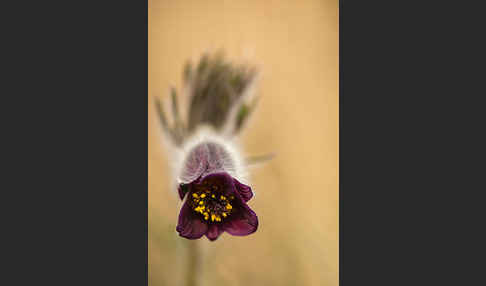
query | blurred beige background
(295,43)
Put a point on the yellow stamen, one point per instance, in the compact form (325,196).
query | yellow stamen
(228,206)
(224,214)
(194,195)
(213,217)
(213,196)
(223,197)
(201,202)
(218,218)
(203,196)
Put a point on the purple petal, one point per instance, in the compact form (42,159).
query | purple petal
(214,232)
(244,190)
(243,222)
(182,189)
(224,179)
(190,225)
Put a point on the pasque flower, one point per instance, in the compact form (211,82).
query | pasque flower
(210,173)
(214,201)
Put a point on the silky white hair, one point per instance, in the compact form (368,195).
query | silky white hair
(227,159)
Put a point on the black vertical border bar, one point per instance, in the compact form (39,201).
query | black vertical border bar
(369,126)
(403,83)
(77,73)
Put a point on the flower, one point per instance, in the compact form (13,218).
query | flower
(208,168)
(215,203)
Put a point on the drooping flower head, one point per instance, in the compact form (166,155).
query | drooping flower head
(214,204)
(209,170)
(214,201)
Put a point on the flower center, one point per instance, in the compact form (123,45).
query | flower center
(211,203)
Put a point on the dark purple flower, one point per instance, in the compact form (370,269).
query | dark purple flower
(215,203)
